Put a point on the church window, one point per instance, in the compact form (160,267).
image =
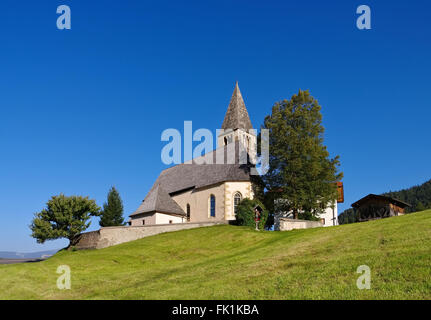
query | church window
(212,205)
(236,200)
(225,141)
(188,212)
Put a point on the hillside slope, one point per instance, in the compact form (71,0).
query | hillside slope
(228,262)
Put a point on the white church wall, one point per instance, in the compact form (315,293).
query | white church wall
(243,187)
(247,140)
(198,200)
(149,218)
(162,218)
(185,198)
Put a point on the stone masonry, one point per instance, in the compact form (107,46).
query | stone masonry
(110,236)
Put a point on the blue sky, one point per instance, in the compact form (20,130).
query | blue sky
(83,109)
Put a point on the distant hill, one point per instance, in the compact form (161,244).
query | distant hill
(419,197)
(27,255)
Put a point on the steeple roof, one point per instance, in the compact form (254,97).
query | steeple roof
(236,115)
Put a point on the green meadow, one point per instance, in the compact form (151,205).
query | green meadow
(230,262)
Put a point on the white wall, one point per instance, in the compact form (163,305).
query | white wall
(243,187)
(330,216)
(162,218)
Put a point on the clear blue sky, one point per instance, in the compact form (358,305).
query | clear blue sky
(83,109)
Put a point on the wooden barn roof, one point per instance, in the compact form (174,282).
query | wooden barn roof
(371,196)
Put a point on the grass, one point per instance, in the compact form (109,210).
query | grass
(228,262)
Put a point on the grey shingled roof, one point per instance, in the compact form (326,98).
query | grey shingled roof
(192,175)
(158,200)
(236,115)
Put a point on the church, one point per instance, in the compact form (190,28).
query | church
(196,192)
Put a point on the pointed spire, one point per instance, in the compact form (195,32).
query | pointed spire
(236,115)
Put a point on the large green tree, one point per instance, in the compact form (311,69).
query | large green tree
(300,170)
(63,217)
(112,213)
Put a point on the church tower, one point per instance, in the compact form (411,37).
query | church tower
(237,125)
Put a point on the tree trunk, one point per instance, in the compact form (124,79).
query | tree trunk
(73,241)
(295,213)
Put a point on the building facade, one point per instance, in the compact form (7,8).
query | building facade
(198,192)
(210,187)
(375,206)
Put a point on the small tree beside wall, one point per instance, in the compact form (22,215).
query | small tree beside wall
(63,217)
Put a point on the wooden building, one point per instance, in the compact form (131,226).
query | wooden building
(374,207)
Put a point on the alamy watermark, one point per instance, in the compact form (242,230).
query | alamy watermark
(363,22)
(64,281)
(64,21)
(364,280)
(232,147)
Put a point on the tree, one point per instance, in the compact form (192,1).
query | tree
(347,216)
(419,197)
(420,206)
(112,213)
(245,213)
(300,169)
(63,217)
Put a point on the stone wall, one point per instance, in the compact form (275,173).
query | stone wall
(110,236)
(286,224)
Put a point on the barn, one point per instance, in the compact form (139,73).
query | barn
(374,207)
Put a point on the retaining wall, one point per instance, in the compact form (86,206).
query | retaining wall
(286,224)
(110,236)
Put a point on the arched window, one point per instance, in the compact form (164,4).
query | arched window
(212,205)
(236,200)
(188,212)
(225,141)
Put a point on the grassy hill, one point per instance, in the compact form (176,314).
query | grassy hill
(228,262)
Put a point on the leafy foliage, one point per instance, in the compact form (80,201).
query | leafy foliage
(112,213)
(307,215)
(64,217)
(347,216)
(245,213)
(300,169)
